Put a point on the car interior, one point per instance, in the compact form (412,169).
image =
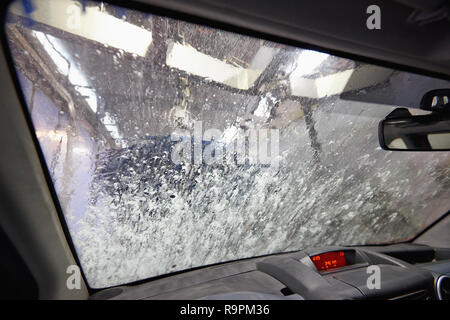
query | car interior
(346,212)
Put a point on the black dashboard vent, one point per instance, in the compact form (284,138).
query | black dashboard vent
(413,255)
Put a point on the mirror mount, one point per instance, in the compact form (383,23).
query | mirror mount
(436,101)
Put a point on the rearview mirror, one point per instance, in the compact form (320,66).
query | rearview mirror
(403,131)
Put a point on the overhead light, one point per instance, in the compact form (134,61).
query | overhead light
(54,135)
(80,150)
(187,58)
(337,83)
(307,61)
(92,24)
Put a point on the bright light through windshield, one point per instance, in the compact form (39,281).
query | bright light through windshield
(173,145)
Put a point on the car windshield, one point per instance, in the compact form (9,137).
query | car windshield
(173,145)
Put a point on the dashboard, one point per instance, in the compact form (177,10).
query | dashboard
(402,271)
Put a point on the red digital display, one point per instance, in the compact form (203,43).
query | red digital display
(329,260)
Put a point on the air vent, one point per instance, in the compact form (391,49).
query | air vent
(443,288)
(409,253)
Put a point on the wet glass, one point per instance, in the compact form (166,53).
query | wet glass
(173,145)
